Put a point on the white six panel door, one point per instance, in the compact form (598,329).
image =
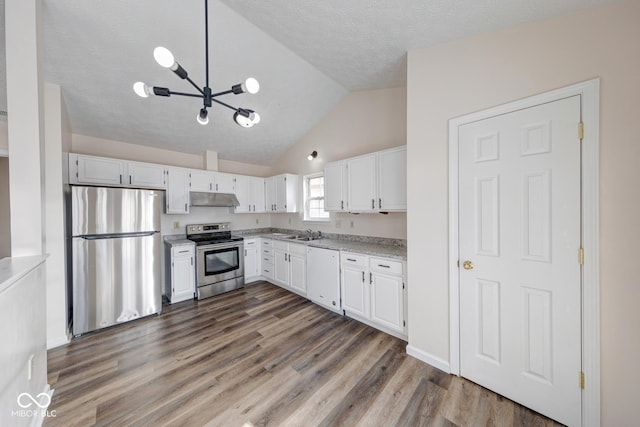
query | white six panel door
(519,204)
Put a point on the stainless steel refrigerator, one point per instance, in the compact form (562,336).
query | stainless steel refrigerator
(116,250)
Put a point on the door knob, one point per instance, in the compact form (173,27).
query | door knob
(467,265)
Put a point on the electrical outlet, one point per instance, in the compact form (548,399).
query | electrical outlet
(289,221)
(176,224)
(351,223)
(257,220)
(338,223)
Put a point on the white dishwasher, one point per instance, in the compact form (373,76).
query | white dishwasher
(323,277)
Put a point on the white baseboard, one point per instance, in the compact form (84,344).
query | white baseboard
(434,361)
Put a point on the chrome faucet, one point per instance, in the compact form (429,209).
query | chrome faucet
(310,233)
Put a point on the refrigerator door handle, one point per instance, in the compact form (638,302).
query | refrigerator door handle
(118,235)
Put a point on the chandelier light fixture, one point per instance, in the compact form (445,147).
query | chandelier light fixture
(242,116)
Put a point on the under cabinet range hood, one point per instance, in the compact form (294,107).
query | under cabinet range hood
(199,198)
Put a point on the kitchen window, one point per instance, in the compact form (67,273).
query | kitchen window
(314,198)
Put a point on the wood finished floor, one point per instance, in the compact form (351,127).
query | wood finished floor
(260,356)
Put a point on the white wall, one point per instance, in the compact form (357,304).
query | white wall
(83,144)
(476,73)
(363,122)
(54,219)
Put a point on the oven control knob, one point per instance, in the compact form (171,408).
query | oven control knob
(199,228)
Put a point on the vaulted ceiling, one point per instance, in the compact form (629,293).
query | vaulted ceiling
(307,55)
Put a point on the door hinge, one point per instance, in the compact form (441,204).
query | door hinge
(581,380)
(580,131)
(581,256)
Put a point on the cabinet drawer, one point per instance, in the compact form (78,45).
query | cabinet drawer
(268,270)
(181,250)
(267,251)
(250,243)
(267,258)
(348,258)
(267,243)
(385,265)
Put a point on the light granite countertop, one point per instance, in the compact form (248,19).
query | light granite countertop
(375,248)
(14,269)
(178,240)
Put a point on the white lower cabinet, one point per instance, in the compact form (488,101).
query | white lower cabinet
(373,291)
(290,265)
(252,270)
(180,273)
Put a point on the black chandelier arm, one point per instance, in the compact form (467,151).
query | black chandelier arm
(226,105)
(193,95)
(226,92)
(195,85)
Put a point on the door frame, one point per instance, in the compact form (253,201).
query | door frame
(590,111)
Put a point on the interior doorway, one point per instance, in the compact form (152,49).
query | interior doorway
(484,340)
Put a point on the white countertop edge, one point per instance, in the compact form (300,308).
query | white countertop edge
(14,269)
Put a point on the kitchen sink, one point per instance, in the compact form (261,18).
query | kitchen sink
(304,238)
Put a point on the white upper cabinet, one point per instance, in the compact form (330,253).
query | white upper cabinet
(177,196)
(212,182)
(392,179)
(146,175)
(243,193)
(95,170)
(223,182)
(201,181)
(375,182)
(257,194)
(250,194)
(362,183)
(335,186)
(282,193)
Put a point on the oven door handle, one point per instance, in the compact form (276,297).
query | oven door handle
(216,246)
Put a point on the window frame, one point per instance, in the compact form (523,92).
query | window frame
(306,199)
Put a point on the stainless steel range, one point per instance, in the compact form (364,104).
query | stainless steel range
(219,258)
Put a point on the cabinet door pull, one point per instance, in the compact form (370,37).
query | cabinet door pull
(185,207)
(120,178)
(191,260)
(351,259)
(245,252)
(380,203)
(363,277)
(129,179)
(341,204)
(370,277)
(373,203)
(384,266)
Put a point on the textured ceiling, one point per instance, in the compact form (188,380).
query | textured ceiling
(307,54)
